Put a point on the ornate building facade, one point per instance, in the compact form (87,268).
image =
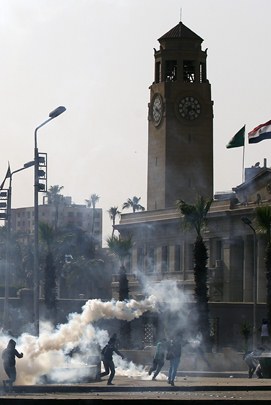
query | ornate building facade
(180,166)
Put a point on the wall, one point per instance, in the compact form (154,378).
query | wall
(227,317)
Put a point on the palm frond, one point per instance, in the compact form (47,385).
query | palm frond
(120,247)
(195,216)
(263,218)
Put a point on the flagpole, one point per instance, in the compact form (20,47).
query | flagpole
(243,163)
(237,141)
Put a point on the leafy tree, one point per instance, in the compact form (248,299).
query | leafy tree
(113,213)
(28,264)
(15,257)
(134,204)
(81,274)
(85,276)
(195,217)
(263,218)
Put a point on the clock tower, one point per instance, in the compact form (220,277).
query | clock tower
(180,129)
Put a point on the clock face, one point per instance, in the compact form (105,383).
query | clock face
(157,109)
(189,108)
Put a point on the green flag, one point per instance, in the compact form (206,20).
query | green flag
(238,139)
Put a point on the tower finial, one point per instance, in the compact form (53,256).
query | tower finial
(180,24)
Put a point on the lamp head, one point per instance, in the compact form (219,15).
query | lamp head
(55,113)
(29,164)
(246,220)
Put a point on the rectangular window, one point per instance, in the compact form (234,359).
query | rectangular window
(150,260)
(164,259)
(177,258)
(190,257)
(218,250)
(140,258)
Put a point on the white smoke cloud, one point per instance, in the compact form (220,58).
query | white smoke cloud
(69,352)
(49,353)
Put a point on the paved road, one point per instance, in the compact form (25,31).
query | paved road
(195,389)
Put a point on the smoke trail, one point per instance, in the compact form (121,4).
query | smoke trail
(71,332)
(48,354)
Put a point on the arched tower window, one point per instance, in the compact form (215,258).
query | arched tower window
(189,71)
(171,70)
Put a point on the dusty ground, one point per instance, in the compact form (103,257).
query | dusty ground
(206,389)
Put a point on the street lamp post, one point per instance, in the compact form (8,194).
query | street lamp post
(7,266)
(55,113)
(248,222)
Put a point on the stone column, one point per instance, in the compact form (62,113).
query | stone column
(158,259)
(261,272)
(226,270)
(233,270)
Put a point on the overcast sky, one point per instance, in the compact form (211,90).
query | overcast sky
(95,57)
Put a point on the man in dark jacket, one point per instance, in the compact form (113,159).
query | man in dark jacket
(252,361)
(8,356)
(174,352)
(159,358)
(107,358)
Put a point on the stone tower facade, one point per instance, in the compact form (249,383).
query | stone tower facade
(180,131)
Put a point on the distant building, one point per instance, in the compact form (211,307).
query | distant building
(64,215)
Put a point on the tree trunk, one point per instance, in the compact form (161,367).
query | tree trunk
(125,326)
(201,289)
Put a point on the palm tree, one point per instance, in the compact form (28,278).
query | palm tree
(134,204)
(94,198)
(122,248)
(55,198)
(195,217)
(263,218)
(113,213)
